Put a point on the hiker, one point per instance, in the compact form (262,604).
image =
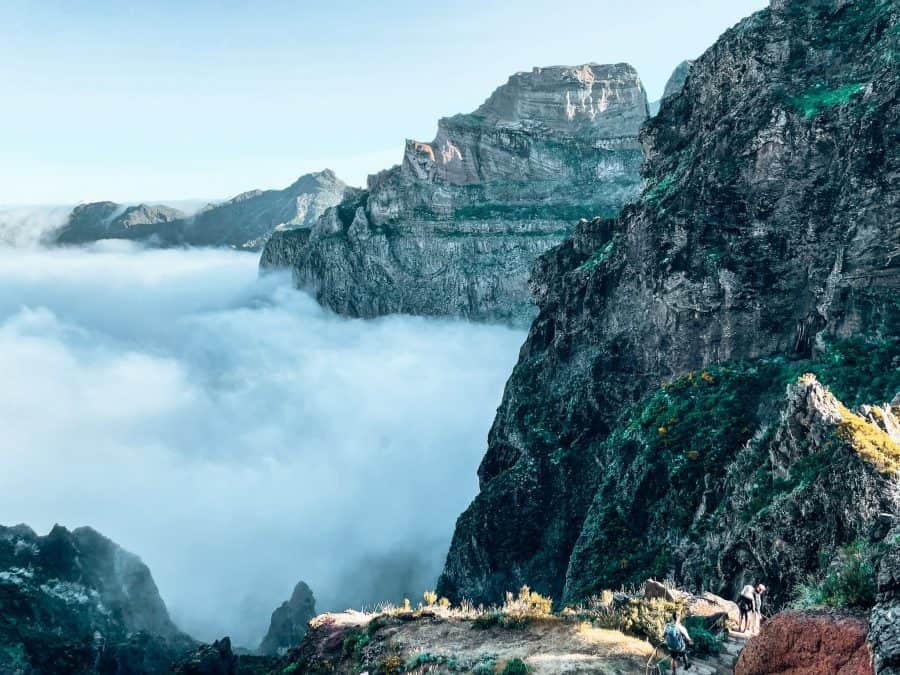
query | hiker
(749,604)
(677,641)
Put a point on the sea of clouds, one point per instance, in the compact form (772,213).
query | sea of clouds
(231,432)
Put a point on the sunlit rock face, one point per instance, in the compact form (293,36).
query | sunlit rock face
(765,244)
(454,229)
(243,222)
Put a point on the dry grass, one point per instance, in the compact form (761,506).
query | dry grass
(870,442)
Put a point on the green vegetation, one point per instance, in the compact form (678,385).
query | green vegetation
(354,643)
(516,667)
(517,612)
(430,598)
(849,582)
(661,189)
(705,641)
(634,616)
(600,256)
(813,101)
(686,434)
(448,663)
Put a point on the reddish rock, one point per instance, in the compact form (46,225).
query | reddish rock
(805,643)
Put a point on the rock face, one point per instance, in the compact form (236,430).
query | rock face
(244,222)
(884,632)
(289,622)
(645,430)
(455,228)
(674,85)
(798,643)
(75,602)
(677,79)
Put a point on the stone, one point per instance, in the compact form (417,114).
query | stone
(454,229)
(797,643)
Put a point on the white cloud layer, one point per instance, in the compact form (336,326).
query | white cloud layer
(232,433)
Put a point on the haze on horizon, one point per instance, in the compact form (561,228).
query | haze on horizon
(181,101)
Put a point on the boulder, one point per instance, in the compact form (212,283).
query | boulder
(801,643)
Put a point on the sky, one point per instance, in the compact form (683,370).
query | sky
(235,435)
(172,100)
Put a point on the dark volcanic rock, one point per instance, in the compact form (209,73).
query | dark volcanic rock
(244,222)
(765,244)
(289,621)
(75,602)
(455,228)
(884,630)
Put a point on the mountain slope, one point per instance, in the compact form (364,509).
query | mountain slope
(766,239)
(243,222)
(455,228)
(74,602)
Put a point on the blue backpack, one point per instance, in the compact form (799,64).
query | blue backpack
(674,638)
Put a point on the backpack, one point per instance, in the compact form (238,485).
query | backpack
(674,638)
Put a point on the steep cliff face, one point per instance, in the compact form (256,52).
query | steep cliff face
(455,228)
(75,602)
(243,222)
(765,245)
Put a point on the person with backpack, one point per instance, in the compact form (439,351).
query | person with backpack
(749,604)
(677,640)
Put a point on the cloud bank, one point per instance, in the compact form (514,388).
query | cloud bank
(232,433)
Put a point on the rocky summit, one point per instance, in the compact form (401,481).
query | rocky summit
(708,392)
(74,602)
(455,228)
(289,621)
(244,222)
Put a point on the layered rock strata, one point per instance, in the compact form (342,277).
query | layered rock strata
(454,229)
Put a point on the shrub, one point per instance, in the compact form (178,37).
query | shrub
(390,665)
(406,605)
(705,641)
(430,598)
(848,582)
(354,642)
(487,620)
(516,667)
(444,603)
(637,616)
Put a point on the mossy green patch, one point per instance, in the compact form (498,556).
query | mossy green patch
(813,101)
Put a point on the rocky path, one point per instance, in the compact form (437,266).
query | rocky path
(724,662)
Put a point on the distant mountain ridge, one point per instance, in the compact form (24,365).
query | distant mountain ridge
(243,222)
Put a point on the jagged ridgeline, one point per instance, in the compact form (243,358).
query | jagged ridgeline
(243,222)
(74,602)
(659,421)
(455,229)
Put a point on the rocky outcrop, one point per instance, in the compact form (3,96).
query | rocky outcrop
(884,632)
(648,399)
(801,643)
(244,222)
(455,228)
(676,81)
(289,621)
(73,601)
(674,84)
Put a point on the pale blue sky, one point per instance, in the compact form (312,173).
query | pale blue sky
(173,100)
